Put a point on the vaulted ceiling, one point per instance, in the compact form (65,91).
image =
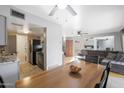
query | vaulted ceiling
(89,18)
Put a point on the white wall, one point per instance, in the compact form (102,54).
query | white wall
(122,34)
(89,41)
(103,44)
(54,34)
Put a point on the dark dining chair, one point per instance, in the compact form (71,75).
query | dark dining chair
(108,65)
(104,78)
(1,83)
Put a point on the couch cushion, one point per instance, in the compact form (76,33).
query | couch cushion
(117,63)
(111,56)
(105,60)
(117,68)
(118,56)
(122,59)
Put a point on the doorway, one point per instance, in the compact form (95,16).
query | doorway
(23,49)
(72,48)
(68,50)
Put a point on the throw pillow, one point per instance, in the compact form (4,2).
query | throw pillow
(111,56)
(122,59)
(118,56)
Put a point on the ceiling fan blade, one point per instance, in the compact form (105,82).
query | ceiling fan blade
(71,10)
(52,12)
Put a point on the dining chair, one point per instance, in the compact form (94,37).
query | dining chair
(108,65)
(104,78)
(1,83)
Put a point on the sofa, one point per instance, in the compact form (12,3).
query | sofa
(95,55)
(115,57)
(117,62)
(92,55)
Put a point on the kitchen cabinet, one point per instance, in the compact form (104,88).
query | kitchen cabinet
(9,72)
(3,33)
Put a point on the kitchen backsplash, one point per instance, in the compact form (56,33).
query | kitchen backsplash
(3,50)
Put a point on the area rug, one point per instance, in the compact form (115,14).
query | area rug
(115,82)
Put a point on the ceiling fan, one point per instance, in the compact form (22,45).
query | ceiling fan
(67,7)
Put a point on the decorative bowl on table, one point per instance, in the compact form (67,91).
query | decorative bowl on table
(74,69)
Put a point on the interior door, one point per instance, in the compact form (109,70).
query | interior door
(22,48)
(69,48)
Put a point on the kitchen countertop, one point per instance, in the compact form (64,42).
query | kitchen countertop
(9,58)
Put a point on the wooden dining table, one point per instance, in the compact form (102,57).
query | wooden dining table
(61,77)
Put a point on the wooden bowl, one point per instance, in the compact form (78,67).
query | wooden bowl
(74,69)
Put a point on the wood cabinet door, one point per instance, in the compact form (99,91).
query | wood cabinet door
(69,48)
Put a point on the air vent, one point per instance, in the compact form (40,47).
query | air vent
(79,32)
(17,14)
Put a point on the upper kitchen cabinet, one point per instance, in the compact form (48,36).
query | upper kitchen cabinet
(3,32)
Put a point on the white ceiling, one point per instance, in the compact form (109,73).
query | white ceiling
(91,19)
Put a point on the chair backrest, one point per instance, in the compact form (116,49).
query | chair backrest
(1,83)
(104,78)
(108,65)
